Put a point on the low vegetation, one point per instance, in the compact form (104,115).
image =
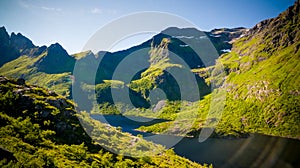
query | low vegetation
(41,129)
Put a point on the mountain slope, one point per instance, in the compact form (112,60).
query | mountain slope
(41,129)
(263,78)
(262,84)
(45,66)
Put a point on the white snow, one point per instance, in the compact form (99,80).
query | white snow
(212,35)
(226,50)
(183,45)
(188,37)
(203,37)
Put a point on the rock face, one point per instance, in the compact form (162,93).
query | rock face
(20,42)
(7,51)
(282,30)
(223,38)
(4,37)
(11,47)
(159,105)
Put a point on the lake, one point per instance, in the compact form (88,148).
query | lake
(254,151)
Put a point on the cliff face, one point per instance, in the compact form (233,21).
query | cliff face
(20,42)
(7,51)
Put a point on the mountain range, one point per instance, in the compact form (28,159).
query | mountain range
(257,70)
(52,66)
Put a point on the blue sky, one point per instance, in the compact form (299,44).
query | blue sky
(73,22)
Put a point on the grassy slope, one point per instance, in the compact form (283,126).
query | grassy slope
(37,131)
(264,99)
(262,83)
(24,65)
(263,79)
(159,62)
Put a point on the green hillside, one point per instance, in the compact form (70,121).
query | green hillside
(262,83)
(263,78)
(40,128)
(24,66)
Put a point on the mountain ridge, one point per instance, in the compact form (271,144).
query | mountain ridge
(53,61)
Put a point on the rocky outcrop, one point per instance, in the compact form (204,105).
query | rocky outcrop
(42,105)
(281,31)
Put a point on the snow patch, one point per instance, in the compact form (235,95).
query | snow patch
(183,45)
(179,37)
(212,35)
(226,50)
(203,37)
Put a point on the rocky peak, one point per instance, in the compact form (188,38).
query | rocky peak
(293,12)
(281,31)
(4,37)
(20,42)
(175,31)
(57,60)
(55,46)
(7,51)
(57,50)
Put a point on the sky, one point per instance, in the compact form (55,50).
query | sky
(73,22)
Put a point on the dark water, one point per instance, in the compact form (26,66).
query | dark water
(254,151)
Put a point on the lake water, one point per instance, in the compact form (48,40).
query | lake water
(255,151)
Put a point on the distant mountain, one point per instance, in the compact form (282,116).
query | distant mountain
(51,66)
(56,60)
(8,52)
(221,40)
(182,43)
(20,42)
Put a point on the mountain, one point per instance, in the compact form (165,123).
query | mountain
(260,84)
(260,66)
(56,60)
(261,81)
(7,51)
(263,76)
(107,62)
(52,66)
(177,46)
(20,42)
(40,128)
